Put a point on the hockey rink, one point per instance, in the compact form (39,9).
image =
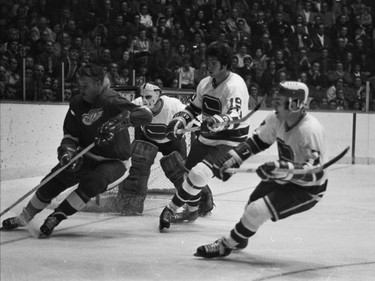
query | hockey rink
(333,241)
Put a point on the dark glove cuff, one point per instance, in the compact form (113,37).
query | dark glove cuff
(63,149)
(243,150)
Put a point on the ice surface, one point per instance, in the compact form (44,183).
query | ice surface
(333,241)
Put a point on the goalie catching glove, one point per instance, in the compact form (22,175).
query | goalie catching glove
(232,159)
(65,153)
(271,170)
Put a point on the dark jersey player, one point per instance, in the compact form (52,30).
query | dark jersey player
(97,115)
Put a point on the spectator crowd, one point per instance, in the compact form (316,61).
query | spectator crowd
(327,44)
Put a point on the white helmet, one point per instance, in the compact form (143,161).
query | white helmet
(150,94)
(296,92)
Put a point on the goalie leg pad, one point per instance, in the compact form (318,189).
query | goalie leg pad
(142,158)
(130,203)
(143,155)
(174,168)
(132,191)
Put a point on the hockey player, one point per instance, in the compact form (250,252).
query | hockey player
(301,145)
(97,114)
(220,97)
(151,139)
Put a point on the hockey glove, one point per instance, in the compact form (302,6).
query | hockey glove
(65,154)
(270,170)
(172,127)
(107,130)
(211,124)
(232,159)
(206,202)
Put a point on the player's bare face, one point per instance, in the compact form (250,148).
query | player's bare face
(90,88)
(215,68)
(278,104)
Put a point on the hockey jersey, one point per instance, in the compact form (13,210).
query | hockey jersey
(156,130)
(83,120)
(229,97)
(302,143)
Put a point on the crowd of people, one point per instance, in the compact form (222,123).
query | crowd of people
(327,44)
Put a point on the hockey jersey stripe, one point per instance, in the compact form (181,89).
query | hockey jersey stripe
(230,135)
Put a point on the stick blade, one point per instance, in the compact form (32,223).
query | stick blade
(336,158)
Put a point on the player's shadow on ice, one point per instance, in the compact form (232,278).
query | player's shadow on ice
(268,268)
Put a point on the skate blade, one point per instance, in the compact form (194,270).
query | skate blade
(197,254)
(43,236)
(162,227)
(2,228)
(6,229)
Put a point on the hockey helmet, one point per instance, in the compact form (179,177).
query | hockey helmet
(150,94)
(296,92)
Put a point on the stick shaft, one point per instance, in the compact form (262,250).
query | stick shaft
(188,130)
(243,119)
(48,179)
(312,170)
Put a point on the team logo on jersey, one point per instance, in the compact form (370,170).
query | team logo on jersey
(92,116)
(211,105)
(155,131)
(285,151)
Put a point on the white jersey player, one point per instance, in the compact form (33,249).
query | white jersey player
(149,140)
(301,144)
(221,97)
(166,108)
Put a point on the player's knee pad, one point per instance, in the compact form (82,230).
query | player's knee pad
(198,177)
(256,213)
(143,155)
(77,200)
(174,168)
(38,203)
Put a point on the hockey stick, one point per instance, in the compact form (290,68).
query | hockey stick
(188,130)
(312,170)
(231,122)
(48,178)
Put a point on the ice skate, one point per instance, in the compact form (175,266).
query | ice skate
(185,215)
(214,250)
(165,218)
(22,220)
(50,223)
(13,222)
